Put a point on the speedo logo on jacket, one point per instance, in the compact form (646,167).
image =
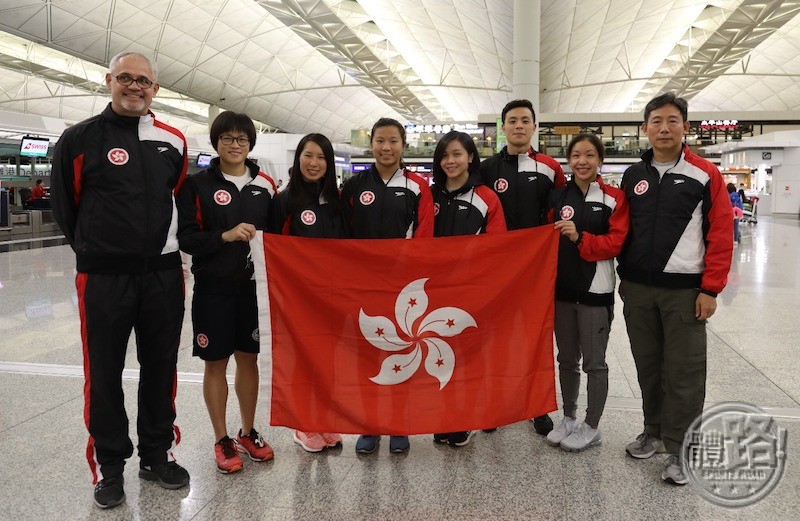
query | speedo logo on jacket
(681,224)
(114,191)
(586,270)
(210,205)
(401,207)
(522,183)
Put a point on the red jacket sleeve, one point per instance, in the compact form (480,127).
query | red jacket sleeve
(595,248)
(719,242)
(424,212)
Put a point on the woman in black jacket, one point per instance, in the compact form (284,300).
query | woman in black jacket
(310,207)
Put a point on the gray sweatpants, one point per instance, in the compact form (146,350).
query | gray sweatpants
(582,331)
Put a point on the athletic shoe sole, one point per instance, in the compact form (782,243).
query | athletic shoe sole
(673,481)
(110,504)
(230,471)
(592,444)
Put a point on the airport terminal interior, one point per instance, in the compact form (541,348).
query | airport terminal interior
(334,67)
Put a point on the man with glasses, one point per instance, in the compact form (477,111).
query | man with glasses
(523,178)
(113,183)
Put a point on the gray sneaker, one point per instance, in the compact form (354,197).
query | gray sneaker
(583,437)
(564,429)
(645,446)
(673,471)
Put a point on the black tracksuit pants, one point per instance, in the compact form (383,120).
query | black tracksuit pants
(111,305)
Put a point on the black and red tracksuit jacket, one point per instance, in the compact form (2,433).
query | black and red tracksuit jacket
(523,183)
(313,219)
(472,209)
(208,205)
(112,192)
(399,208)
(681,225)
(585,272)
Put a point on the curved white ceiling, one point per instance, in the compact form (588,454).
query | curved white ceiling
(335,65)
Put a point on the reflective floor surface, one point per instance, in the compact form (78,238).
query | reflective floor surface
(509,474)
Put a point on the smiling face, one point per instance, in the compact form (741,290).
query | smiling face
(585,161)
(519,128)
(232,157)
(387,147)
(455,164)
(131,100)
(312,163)
(665,129)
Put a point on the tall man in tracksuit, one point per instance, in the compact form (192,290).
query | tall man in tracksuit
(113,183)
(523,179)
(674,263)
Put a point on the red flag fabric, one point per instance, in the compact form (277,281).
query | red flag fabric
(396,336)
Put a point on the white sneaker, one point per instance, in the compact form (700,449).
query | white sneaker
(564,429)
(582,438)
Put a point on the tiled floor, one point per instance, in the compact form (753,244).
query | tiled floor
(509,474)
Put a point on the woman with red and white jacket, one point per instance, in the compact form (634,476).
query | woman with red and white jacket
(593,219)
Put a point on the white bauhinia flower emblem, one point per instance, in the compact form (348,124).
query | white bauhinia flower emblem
(419,334)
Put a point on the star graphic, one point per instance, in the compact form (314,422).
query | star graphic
(451,322)
(734,490)
(412,302)
(750,488)
(715,488)
(379,331)
(396,368)
(440,362)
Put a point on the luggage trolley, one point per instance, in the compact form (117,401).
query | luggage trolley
(750,216)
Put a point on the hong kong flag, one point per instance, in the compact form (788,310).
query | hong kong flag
(399,336)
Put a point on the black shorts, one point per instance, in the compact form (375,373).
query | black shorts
(224,324)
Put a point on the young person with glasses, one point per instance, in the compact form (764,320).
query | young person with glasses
(220,210)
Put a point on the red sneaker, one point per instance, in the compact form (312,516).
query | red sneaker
(310,441)
(331,439)
(254,446)
(227,459)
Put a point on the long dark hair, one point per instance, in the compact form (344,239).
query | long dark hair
(439,177)
(298,195)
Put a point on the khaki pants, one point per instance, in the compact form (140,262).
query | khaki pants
(669,347)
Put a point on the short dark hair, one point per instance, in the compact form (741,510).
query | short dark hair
(668,98)
(388,122)
(439,177)
(228,122)
(329,190)
(39,181)
(731,187)
(516,104)
(591,138)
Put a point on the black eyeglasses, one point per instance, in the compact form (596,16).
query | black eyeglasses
(228,140)
(127,80)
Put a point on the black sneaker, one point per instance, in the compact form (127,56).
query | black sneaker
(442,437)
(109,492)
(490,430)
(543,424)
(459,439)
(169,475)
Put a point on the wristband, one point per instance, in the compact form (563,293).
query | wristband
(707,292)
